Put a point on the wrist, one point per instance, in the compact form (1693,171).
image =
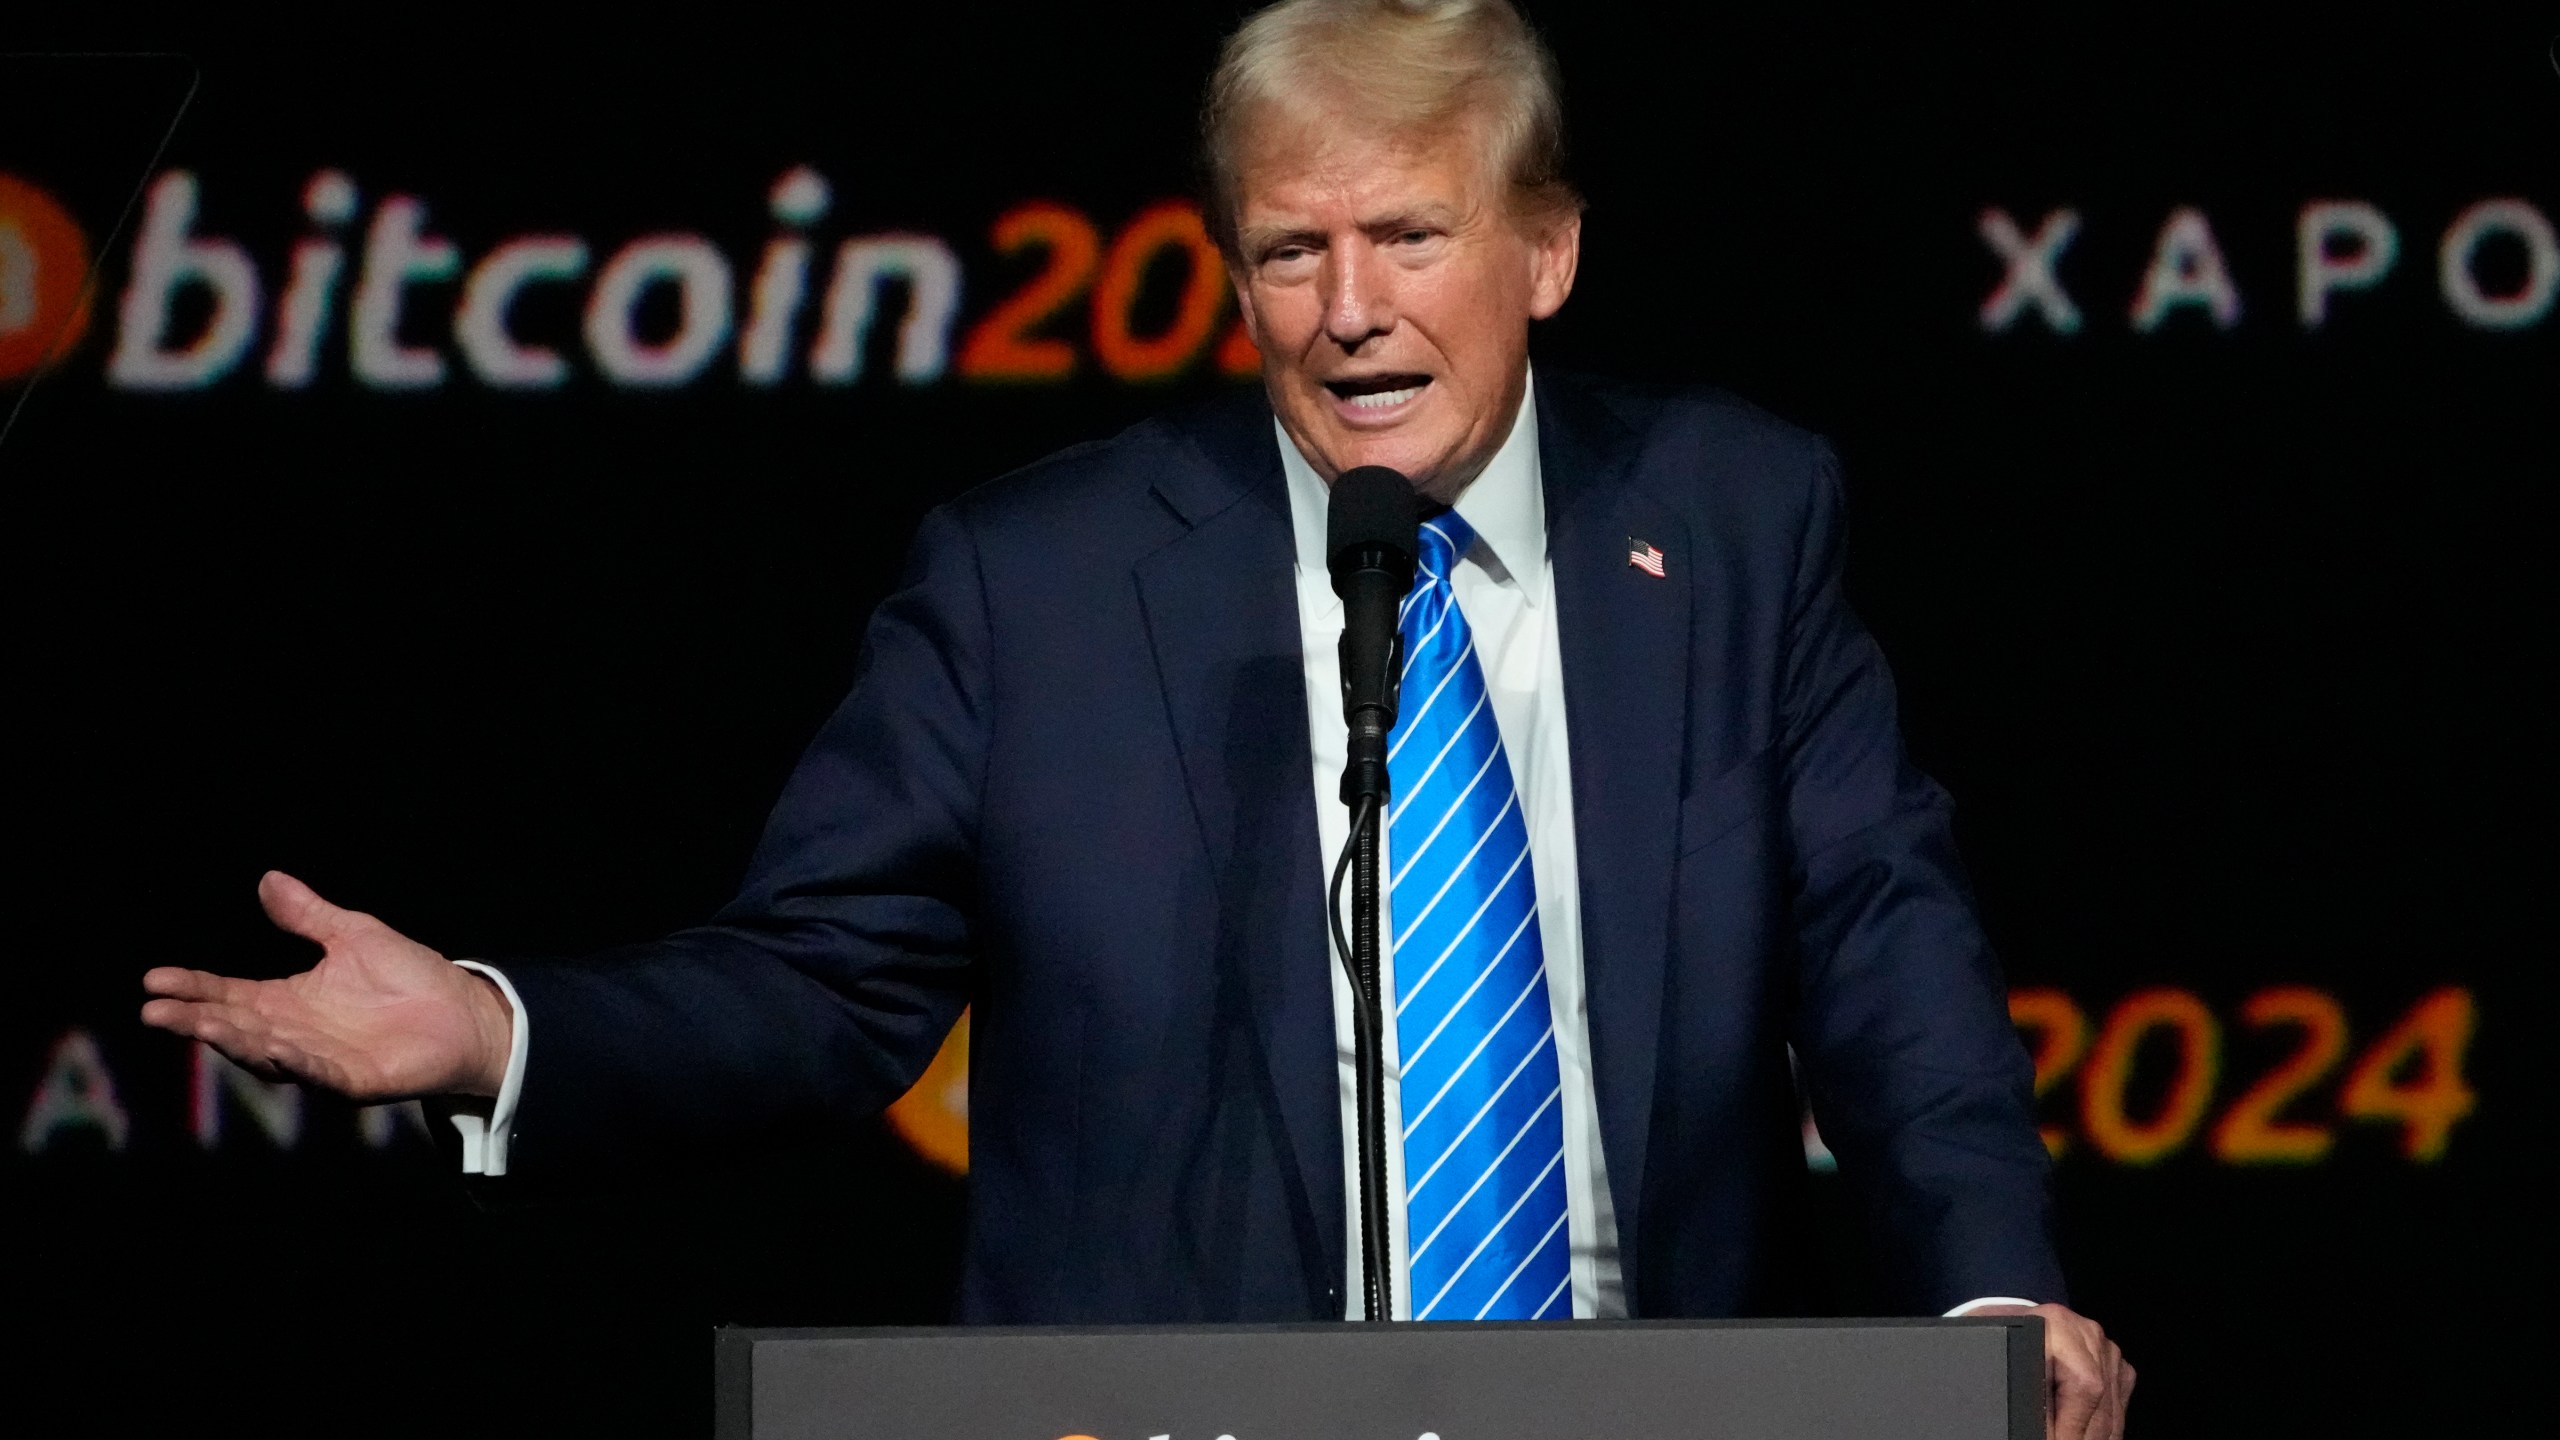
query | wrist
(493,1034)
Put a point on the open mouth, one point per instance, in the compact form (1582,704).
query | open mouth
(1377,393)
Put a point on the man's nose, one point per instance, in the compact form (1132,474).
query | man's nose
(1357,303)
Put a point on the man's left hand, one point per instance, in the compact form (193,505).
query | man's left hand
(2086,1378)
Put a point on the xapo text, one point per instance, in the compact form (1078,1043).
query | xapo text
(2497,267)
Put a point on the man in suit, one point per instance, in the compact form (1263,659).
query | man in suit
(1652,824)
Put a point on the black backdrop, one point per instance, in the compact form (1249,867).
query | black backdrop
(2224,637)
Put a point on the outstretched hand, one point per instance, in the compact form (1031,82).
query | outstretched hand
(2087,1378)
(381,1017)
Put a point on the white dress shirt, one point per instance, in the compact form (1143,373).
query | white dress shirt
(487,1125)
(1506,590)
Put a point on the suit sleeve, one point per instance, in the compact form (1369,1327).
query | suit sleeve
(823,989)
(1918,1080)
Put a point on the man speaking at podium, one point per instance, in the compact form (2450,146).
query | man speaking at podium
(1651,823)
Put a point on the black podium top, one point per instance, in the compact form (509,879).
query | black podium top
(1967,1379)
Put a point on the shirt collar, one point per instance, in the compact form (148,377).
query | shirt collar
(1506,504)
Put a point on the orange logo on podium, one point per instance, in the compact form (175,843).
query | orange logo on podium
(44,263)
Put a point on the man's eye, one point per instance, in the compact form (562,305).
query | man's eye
(1413,237)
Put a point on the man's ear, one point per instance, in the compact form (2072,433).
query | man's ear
(1553,259)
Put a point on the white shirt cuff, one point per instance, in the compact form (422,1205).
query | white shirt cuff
(486,1125)
(1966,1308)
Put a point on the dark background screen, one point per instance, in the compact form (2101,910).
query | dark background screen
(2213,571)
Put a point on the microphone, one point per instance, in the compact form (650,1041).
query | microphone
(1372,536)
(1373,530)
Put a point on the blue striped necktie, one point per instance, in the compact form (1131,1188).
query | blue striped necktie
(1483,1116)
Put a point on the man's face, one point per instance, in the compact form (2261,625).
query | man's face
(1391,293)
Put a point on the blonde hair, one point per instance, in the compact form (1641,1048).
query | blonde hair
(1403,67)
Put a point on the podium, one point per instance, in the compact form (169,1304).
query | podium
(1966,1379)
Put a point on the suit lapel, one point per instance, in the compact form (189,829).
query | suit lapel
(1625,640)
(1222,615)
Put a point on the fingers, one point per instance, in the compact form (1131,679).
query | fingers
(2108,1423)
(2087,1376)
(2117,1380)
(236,1033)
(244,1036)
(298,909)
(198,985)
(230,1026)
(216,1009)
(2078,1392)
(234,1016)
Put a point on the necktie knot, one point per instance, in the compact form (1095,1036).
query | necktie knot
(1444,538)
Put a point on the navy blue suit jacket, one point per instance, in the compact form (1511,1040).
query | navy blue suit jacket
(1071,787)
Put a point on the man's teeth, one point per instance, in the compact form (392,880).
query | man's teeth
(1383,399)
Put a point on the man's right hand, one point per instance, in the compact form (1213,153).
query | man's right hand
(381,1017)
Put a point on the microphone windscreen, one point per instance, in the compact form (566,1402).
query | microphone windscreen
(1371,507)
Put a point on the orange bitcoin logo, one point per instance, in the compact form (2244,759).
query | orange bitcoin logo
(44,263)
(933,1116)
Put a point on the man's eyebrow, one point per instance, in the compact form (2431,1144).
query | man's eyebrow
(1253,239)
(1266,237)
(1419,217)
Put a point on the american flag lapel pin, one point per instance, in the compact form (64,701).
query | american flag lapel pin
(1642,555)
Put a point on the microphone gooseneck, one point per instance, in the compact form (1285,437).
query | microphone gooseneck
(1372,537)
